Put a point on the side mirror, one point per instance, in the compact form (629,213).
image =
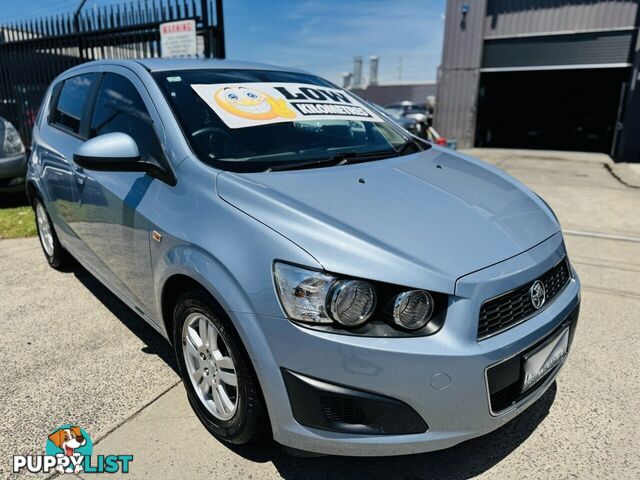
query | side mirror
(110,152)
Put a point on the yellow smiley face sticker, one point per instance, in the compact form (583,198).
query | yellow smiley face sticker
(252,104)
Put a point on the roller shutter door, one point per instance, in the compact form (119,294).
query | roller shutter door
(607,48)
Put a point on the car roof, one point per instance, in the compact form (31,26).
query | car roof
(169,64)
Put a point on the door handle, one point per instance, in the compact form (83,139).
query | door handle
(79,176)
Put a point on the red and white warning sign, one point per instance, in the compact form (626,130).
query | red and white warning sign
(178,39)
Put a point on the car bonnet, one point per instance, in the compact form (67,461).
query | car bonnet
(421,220)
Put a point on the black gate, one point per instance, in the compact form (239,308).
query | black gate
(34,52)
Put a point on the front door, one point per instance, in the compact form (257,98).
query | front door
(116,205)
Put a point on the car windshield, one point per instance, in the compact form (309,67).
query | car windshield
(252,144)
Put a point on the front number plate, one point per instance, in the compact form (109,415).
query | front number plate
(541,361)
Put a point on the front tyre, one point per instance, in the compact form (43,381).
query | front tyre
(51,247)
(221,385)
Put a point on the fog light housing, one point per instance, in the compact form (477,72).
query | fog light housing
(325,406)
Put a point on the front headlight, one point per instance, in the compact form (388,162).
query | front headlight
(303,293)
(12,144)
(316,297)
(331,302)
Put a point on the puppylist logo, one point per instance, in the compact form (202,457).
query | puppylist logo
(69,450)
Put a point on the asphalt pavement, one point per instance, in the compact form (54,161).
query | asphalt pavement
(73,353)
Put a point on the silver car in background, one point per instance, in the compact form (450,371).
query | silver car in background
(13,161)
(333,281)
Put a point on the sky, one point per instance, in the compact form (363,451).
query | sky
(321,36)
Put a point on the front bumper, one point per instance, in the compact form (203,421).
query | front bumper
(13,171)
(441,377)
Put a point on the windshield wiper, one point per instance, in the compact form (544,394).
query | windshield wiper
(300,165)
(350,157)
(412,142)
(341,158)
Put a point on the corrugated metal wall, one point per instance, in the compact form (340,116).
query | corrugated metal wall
(518,17)
(458,78)
(463,34)
(455,116)
(458,75)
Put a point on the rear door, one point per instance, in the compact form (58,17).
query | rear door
(55,148)
(116,205)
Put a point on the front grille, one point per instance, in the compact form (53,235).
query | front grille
(515,306)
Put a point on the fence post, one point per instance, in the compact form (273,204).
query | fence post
(76,16)
(76,28)
(220,47)
(213,34)
(204,11)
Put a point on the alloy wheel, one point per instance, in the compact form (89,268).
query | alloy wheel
(44,229)
(210,366)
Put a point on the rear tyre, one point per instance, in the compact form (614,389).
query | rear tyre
(221,384)
(51,247)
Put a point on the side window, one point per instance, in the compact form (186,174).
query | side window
(71,102)
(119,108)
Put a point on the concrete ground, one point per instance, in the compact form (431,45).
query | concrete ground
(71,352)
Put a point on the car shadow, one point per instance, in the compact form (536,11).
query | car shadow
(155,344)
(462,461)
(12,200)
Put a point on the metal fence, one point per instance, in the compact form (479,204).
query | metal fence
(33,52)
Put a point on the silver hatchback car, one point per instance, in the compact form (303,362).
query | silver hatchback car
(323,276)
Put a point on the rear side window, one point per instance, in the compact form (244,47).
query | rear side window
(71,102)
(120,108)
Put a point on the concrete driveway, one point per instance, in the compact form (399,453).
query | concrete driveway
(72,353)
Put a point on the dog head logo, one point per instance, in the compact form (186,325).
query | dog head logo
(69,441)
(252,104)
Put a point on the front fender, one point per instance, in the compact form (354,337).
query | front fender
(210,272)
(226,251)
(33,178)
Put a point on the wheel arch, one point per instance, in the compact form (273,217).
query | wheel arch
(174,287)
(185,266)
(222,292)
(32,191)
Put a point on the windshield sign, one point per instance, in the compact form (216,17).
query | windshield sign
(242,105)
